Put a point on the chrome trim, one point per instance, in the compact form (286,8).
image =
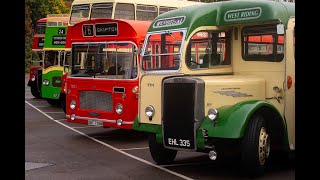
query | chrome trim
(103,120)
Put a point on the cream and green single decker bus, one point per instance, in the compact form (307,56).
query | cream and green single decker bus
(220,78)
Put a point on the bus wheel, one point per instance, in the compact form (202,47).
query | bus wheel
(53,102)
(160,154)
(35,92)
(63,102)
(63,105)
(255,147)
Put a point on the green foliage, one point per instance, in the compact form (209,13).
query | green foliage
(35,10)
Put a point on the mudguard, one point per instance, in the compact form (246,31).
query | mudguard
(232,120)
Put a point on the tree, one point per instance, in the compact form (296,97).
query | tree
(35,10)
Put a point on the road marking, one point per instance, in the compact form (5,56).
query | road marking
(31,165)
(37,101)
(129,149)
(111,147)
(53,112)
(60,119)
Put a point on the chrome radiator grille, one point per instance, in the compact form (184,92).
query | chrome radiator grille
(96,100)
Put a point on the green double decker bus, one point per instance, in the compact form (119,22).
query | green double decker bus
(56,57)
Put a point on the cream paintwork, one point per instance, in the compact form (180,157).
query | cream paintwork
(150,95)
(252,77)
(252,86)
(290,93)
(52,68)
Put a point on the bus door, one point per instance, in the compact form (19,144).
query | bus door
(290,82)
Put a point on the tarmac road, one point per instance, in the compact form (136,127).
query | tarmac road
(58,150)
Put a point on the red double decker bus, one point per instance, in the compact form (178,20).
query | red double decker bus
(102,88)
(36,58)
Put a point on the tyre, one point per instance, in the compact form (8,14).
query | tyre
(160,154)
(63,102)
(53,102)
(255,147)
(63,105)
(35,92)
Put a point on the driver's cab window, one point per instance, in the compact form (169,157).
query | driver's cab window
(51,58)
(208,49)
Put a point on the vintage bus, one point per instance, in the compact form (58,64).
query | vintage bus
(36,57)
(222,81)
(143,10)
(55,57)
(102,88)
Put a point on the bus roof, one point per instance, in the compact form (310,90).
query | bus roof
(57,17)
(127,29)
(172,3)
(42,20)
(224,13)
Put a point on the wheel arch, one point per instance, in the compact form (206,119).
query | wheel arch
(232,121)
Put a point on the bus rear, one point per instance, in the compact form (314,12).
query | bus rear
(102,88)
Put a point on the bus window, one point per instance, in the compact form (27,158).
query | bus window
(167,54)
(105,60)
(262,43)
(101,10)
(51,58)
(79,13)
(124,11)
(36,58)
(41,28)
(165,9)
(146,13)
(208,49)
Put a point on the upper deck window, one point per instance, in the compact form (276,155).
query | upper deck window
(124,11)
(41,28)
(79,13)
(262,43)
(165,9)
(146,13)
(101,10)
(208,49)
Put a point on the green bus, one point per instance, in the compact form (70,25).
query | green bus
(219,78)
(56,58)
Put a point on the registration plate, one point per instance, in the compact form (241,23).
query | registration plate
(94,123)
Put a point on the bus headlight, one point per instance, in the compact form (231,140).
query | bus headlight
(119,108)
(33,78)
(149,112)
(212,114)
(46,82)
(73,104)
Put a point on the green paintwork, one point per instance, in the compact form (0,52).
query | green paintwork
(55,37)
(213,14)
(232,120)
(49,91)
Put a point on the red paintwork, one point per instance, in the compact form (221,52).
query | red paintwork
(32,69)
(128,30)
(36,37)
